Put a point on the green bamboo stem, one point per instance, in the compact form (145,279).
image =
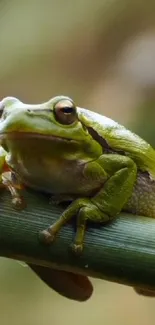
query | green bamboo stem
(122,251)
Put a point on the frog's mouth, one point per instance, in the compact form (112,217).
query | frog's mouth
(14,135)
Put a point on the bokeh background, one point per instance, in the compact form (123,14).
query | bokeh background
(102,54)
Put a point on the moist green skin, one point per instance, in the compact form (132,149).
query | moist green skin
(97,163)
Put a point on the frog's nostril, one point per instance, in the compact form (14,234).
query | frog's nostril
(29,111)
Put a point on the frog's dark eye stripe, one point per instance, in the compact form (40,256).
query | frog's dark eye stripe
(65,112)
(2,106)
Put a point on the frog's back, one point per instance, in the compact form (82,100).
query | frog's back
(118,138)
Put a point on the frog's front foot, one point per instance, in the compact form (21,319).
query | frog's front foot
(10,181)
(18,203)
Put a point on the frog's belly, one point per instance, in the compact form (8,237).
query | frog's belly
(55,177)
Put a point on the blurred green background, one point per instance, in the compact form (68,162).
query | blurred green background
(101,53)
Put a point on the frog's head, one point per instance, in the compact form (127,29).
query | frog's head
(57,120)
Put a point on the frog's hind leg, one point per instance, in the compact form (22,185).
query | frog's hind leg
(85,210)
(105,205)
(85,214)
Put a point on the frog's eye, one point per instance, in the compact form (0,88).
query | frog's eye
(4,104)
(65,112)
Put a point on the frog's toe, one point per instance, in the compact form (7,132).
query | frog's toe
(76,248)
(46,237)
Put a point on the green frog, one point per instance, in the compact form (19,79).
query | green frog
(75,155)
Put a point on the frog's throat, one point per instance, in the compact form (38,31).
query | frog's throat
(32,135)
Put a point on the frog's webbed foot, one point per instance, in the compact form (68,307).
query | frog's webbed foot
(10,181)
(60,198)
(76,248)
(46,236)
